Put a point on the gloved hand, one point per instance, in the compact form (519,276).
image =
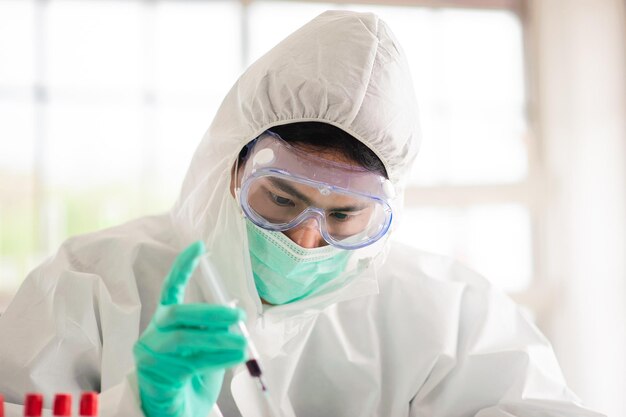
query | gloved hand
(183,353)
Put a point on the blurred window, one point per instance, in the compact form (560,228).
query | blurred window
(102,104)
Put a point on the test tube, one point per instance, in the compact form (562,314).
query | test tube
(62,405)
(252,364)
(33,405)
(89,404)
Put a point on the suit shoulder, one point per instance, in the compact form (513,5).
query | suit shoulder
(407,263)
(150,233)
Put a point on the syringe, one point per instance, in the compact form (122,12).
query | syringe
(252,364)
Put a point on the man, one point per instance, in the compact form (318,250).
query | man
(373,328)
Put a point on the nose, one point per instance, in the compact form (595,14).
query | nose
(306,235)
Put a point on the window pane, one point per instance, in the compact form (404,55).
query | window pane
(197,46)
(473,121)
(178,131)
(17,241)
(16,43)
(91,144)
(16,135)
(94,44)
(472,146)
(93,167)
(481,56)
(495,240)
(16,191)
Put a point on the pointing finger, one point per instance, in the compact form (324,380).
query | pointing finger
(173,291)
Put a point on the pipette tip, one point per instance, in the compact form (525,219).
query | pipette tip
(263,386)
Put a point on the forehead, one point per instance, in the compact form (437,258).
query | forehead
(308,194)
(332,155)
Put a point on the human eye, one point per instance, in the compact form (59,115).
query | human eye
(280,200)
(341,217)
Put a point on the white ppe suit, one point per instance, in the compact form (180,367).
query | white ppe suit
(402,333)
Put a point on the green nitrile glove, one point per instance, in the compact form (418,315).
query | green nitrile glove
(183,353)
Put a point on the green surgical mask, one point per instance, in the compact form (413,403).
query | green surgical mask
(285,272)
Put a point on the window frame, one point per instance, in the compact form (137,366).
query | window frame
(531,192)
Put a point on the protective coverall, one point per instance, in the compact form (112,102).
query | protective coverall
(402,333)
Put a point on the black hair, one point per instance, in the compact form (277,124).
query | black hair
(323,136)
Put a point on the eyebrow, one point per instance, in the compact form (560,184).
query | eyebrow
(286,187)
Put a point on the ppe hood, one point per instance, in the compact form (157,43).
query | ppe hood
(342,68)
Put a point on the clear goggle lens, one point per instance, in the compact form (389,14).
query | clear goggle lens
(347,220)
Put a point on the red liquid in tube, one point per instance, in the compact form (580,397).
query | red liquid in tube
(62,405)
(33,405)
(88,404)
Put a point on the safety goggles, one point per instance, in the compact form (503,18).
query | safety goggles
(283,186)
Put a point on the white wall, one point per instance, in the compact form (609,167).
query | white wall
(579,47)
